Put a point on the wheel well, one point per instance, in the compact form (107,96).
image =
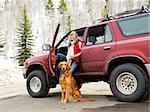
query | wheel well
(118,61)
(34,67)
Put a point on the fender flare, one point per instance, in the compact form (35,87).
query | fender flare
(122,56)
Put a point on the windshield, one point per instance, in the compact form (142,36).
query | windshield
(64,43)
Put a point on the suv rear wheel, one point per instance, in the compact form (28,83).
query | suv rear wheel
(128,82)
(36,84)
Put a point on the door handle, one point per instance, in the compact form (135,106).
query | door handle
(107,47)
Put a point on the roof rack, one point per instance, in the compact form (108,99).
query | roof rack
(132,12)
(123,14)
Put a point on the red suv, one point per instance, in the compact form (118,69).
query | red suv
(114,50)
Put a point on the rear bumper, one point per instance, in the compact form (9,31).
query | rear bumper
(148,68)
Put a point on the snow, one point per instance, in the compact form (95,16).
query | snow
(10,72)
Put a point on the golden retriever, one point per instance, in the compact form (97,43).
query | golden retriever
(70,90)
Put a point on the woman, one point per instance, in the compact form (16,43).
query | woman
(74,52)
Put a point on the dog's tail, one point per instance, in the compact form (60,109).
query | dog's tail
(87,99)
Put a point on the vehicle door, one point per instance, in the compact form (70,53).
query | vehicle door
(51,58)
(99,45)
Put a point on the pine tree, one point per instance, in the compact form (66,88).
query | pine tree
(69,23)
(106,9)
(62,8)
(24,39)
(49,8)
(50,14)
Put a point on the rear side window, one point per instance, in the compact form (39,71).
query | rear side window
(135,26)
(99,35)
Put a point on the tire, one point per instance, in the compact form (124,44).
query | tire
(146,96)
(37,84)
(128,82)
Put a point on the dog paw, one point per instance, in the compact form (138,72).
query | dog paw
(75,100)
(65,100)
(62,102)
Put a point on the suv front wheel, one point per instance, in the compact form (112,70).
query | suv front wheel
(128,82)
(36,84)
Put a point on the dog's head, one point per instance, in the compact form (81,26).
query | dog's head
(63,66)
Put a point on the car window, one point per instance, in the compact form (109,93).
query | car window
(65,42)
(98,35)
(134,26)
(108,34)
(80,33)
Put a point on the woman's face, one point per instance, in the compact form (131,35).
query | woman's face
(73,36)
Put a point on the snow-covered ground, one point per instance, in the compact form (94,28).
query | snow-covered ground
(10,72)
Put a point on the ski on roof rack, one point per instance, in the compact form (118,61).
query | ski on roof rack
(123,14)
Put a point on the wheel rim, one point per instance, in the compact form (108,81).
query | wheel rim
(35,84)
(126,83)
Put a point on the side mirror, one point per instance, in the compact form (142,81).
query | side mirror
(46,47)
(92,39)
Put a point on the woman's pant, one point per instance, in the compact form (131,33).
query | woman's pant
(74,67)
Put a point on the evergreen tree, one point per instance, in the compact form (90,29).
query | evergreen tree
(62,8)
(106,9)
(49,8)
(24,39)
(69,23)
(50,14)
